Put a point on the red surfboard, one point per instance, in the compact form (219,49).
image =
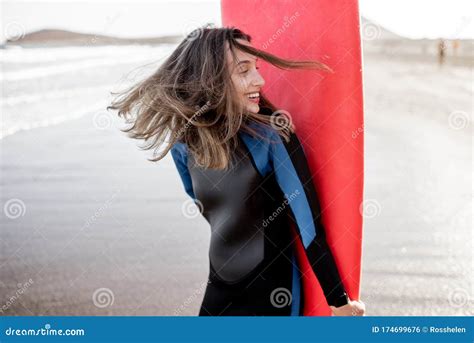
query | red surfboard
(327,111)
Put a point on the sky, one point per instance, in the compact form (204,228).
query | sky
(148,18)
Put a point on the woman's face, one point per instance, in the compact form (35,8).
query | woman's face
(246,78)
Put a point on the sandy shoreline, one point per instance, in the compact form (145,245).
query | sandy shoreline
(97,214)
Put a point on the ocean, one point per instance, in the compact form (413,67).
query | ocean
(48,85)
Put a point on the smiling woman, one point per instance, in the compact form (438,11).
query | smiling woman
(242,164)
(247,79)
(212,69)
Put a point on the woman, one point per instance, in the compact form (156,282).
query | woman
(242,164)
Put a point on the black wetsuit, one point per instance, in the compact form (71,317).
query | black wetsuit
(252,264)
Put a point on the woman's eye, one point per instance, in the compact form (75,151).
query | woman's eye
(247,70)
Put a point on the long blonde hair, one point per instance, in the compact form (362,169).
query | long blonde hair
(190,98)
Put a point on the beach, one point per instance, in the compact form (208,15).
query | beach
(90,227)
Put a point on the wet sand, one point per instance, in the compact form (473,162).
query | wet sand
(99,230)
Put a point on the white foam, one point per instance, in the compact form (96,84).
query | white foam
(67,67)
(53,95)
(4,132)
(77,64)
(55,54)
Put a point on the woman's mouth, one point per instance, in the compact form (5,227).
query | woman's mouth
(254,97)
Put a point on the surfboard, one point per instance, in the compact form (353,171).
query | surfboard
(327,111)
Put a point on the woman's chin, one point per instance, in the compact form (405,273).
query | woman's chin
(253,108)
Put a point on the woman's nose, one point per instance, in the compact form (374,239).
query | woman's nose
(258,80)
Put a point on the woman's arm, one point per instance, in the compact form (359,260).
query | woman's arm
(179,152)
(292,173)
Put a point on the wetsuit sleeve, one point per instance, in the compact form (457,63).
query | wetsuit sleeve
(180,157)
(292,173)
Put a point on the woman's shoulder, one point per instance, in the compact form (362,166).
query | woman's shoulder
(278,122)
(179,148)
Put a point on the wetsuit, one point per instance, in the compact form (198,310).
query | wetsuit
(252,264)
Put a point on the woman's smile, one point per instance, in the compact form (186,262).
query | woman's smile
(246,78)
(254,97)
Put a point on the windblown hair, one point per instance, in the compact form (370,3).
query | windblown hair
(191,99)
